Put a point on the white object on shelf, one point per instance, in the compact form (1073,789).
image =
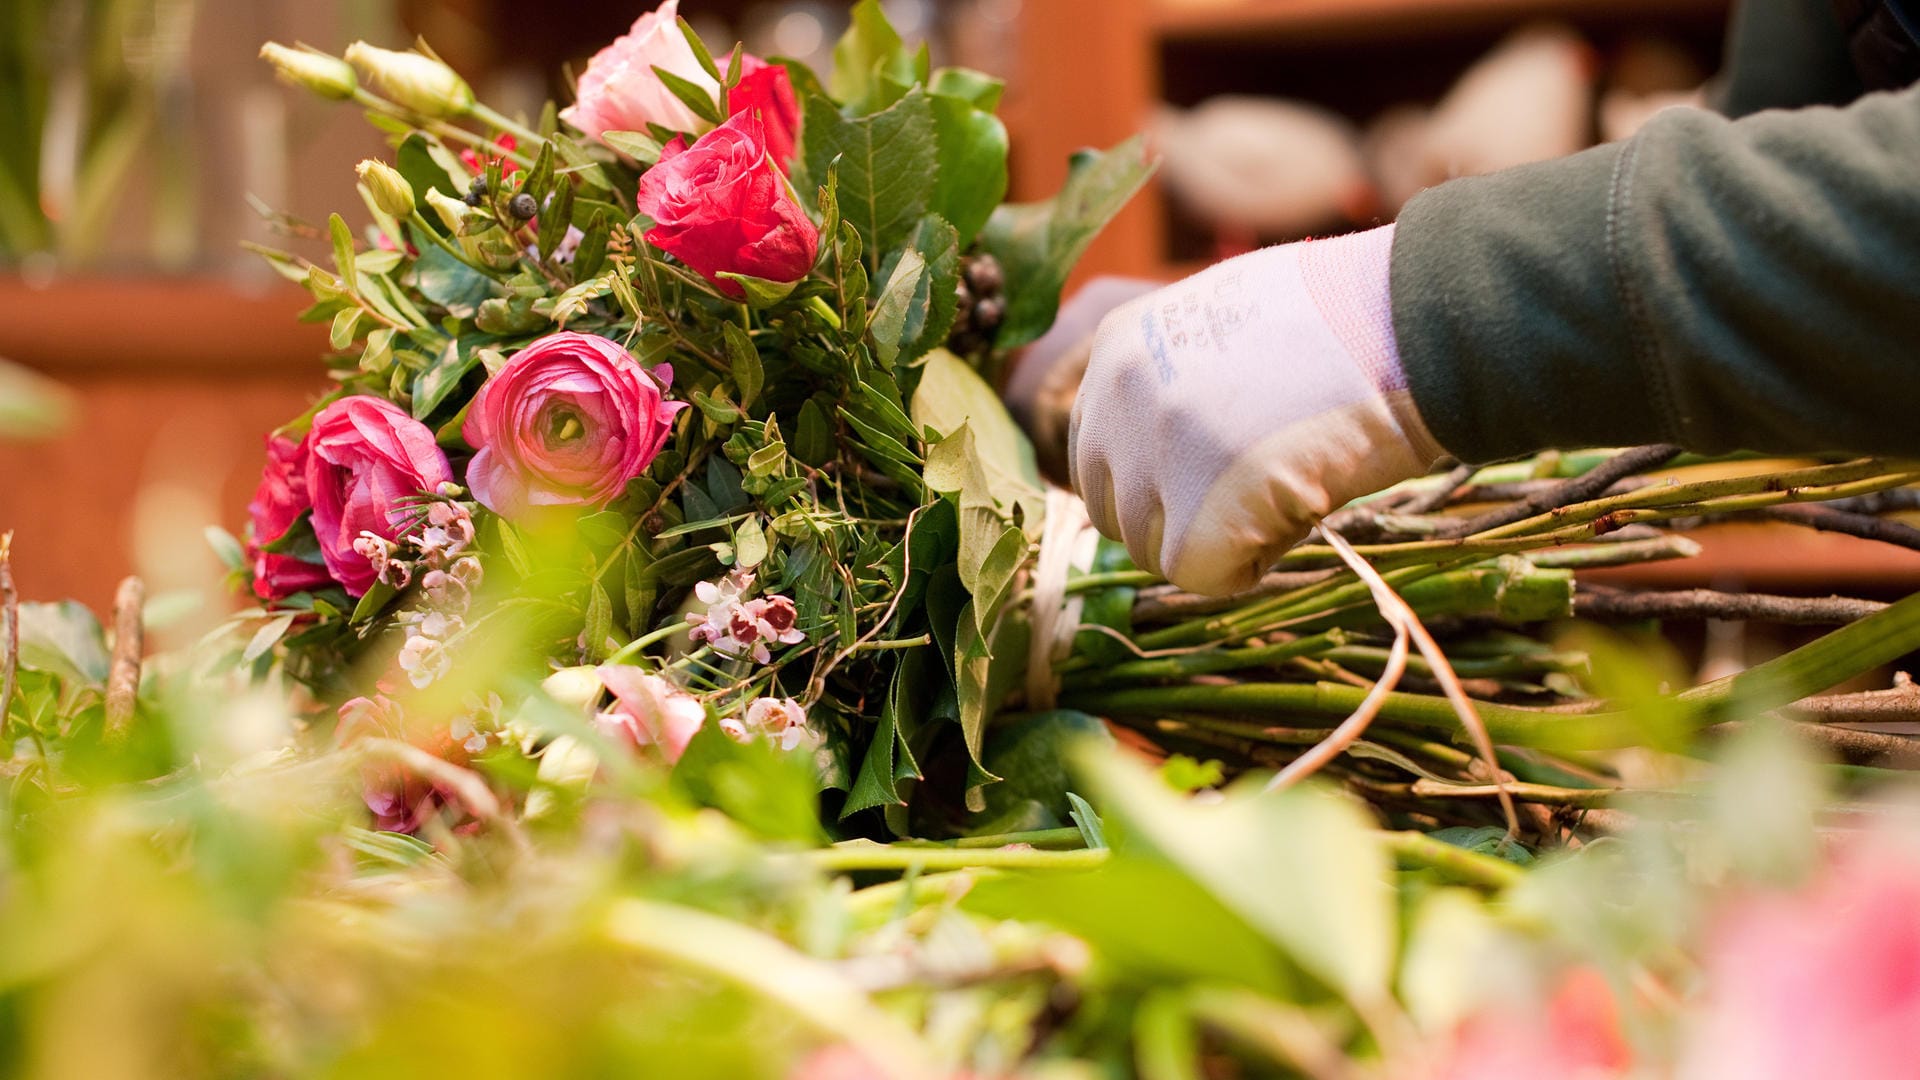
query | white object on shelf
(1265,166)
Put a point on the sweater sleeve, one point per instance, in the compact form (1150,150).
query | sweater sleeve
(1782,54)
(1715,283)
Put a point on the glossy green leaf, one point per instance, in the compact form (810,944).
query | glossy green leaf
(885,166)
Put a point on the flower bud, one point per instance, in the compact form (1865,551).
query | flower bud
(415,81)
(328,76)
(391,192)
(452,211)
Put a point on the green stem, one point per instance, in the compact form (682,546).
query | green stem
(1469,867)
(632,648)
(1204,663)
(419,223)
(486,115)
(1113,578)
(867,855)
(1068,837)
(819,306)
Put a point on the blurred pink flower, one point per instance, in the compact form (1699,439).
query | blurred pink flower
(399,800)
(1575,1037)
(277,503)
(649,711)
(1823,982)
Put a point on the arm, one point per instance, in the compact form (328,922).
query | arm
(1718,284)
(1783,54)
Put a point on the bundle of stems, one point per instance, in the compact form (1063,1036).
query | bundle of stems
(1491,561)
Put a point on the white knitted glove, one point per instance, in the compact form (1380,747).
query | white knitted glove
(1224,415)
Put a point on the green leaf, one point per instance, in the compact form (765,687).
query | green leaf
(1028,753)
(538,180)
(692,94)
(761,293)
(373,602)
(64,640)
(867,55)
(599,624)
(877,783)
(1302,866)
(432,385)
(888,323)
(345,322)
(699,48)
(748,375)
(1092,833)
(749,544)
(343,251)
(951,396)
(450,283)
(885,166)
(267,636)
(639,146)
(556,216)
(591,254)
(226,547)
(978,89)
(1038,244)
(813,443)
(423,170)
(972,164)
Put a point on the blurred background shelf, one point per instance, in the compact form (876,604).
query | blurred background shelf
(1297,20)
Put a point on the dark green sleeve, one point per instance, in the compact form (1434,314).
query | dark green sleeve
(1716,283)
(1782,54)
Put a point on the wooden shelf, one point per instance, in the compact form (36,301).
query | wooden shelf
(158,324)
(1297,20)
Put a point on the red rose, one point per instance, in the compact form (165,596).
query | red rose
(365,457)
(767,88)
(277,503)
(722,206)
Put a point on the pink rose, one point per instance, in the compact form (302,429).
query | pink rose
(277,503)
(649,711)
(568,421)
(365,457)
(768,89)
(721,205)
(620,92)
(1822,982)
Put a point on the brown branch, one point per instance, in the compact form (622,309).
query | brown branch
(1426,502)
(1598,602)
(1524,489)
(129,643)
(1856,747)
(1899,705)
(10,614)
(1845,522)
(1586,486)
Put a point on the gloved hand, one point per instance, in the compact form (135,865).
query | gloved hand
(1224,415)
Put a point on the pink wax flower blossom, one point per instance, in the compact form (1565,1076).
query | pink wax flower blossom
(277,504)
(1820,982)
(567,422)
(365,458)
(619,90)
(1575,1037)
(723,206)
(734,625)
(648,711)
(782,721)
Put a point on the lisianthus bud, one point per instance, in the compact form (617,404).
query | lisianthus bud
(452,211)
(416,81)
(328,76)
(391,192)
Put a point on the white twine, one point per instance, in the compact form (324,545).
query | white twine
(1067,543)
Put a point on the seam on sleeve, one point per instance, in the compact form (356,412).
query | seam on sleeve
(1640,336)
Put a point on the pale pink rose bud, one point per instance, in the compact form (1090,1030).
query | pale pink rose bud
(619,90)
(328,76)
(390,191)
(413,80)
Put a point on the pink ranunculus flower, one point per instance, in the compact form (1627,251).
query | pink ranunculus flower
(723,206)
(649,711)
(1821,982)
(568,421)
(277,503)
(365,458)
(619,90)
(768,89)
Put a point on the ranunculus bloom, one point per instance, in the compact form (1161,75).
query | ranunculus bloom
(620,92)
(722,205)
(365,457)
(1822,982)
(568,421)
(1575,1037)
(649,711)
(399,799)
(768,89)
(277,503)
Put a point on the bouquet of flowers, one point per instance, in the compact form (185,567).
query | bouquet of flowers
(679,389)
(676,406)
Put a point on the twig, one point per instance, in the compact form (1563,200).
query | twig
(1523,489)
(1858,747)
(1467,867)
(1845,522)
(1426,502)
(129,644)
(10,614)
(1899,705)
(1587,485)
(1600,602)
